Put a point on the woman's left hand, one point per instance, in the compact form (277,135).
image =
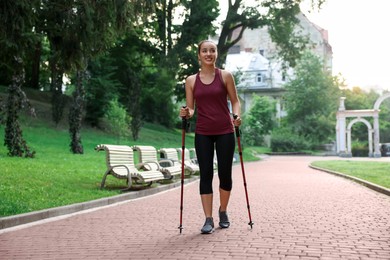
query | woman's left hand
(237,121)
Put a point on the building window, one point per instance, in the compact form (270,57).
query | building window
(234,49)
(259,77)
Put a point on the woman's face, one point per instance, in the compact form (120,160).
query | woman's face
(208,53)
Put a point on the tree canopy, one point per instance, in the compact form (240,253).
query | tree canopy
(138,52)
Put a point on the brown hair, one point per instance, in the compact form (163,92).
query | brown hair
(200,44)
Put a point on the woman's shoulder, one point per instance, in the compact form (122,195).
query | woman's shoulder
(226,75)
(190,80)
(225,72)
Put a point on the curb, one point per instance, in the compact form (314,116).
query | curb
(368,184)
(12,221)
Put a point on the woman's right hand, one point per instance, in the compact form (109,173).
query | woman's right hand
(185,112)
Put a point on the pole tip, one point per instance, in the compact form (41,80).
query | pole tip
(251,224)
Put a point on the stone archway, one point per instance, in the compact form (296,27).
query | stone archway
(343,148)
(379,101)
(370,133)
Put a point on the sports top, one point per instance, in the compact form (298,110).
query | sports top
(213,116)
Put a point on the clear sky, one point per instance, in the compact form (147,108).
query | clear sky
(359,33)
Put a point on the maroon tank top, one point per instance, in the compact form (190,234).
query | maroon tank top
(213,116)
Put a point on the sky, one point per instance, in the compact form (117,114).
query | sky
(359,34)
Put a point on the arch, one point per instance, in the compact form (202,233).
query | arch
(359,119)
(379,101)
(370,134)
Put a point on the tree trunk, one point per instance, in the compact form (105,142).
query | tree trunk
(76,115)
(36,61)
(16,100)
(135,106)
(57,99)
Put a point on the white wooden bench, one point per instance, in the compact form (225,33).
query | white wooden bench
(120,164)
(172,154)
(190,164)
(148,157)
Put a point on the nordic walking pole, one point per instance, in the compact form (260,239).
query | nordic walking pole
(237,129)
(183,139)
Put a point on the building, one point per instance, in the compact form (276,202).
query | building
(255,58)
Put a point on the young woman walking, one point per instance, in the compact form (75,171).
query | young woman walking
(209,90)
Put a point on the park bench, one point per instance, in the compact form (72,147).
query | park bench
(120,164)
(172,154)
(189,163)
(149,160)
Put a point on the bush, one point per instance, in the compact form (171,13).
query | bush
(359,149)
(116,120)
(284,140)
(258,122)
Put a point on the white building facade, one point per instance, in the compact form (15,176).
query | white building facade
(255,57)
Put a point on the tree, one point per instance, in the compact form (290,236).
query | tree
(92,28)
(102,87)
(117,120)
(311,100)
(17,38)
(259,121)
(278,15)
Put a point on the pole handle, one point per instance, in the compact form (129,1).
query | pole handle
(184,121)
(236,127)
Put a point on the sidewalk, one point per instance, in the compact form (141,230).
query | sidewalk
(299,213)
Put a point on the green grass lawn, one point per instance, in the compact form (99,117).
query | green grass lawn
(375,172)
(56,177)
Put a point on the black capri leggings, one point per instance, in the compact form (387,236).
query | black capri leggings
(224,146)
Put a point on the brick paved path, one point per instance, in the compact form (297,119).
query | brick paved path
(299,213)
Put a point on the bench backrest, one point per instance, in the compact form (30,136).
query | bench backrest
(146,153)
(118,155)
(170,153)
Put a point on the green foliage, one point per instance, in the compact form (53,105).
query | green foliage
(285,140)
(357,98)
(197,26)
(259,120)
(384,121)
(116,120)
(359,149)
(311,100)
(17,38)
(157,102)
(291,45)
(101,88)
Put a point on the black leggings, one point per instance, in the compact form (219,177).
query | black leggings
(224,146)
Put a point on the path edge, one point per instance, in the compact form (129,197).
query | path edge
(365,183)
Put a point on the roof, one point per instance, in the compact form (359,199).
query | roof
(246,61)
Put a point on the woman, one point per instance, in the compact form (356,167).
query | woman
(209,90)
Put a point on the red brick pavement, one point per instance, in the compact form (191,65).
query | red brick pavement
(299,213)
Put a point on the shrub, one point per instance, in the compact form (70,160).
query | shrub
(284,140)
(359,149)
(116,120)
(258,122)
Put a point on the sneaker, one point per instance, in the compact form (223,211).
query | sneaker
(208,226)
(223,219)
